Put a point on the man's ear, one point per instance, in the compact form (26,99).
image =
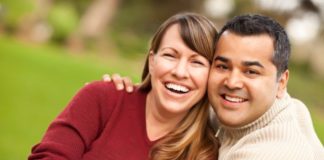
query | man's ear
(151,60)
(282,87)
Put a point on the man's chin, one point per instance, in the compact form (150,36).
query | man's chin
(230,121)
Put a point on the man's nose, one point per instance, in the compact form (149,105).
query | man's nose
(234,80)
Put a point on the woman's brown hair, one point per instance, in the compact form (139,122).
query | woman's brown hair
(193,138)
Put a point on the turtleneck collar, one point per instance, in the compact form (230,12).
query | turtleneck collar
(268,116)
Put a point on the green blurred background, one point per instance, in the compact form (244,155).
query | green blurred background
(50,49)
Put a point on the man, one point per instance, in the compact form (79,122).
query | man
(247,83)
(247,89)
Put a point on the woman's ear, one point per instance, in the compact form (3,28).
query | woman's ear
(151,61)
(282,87)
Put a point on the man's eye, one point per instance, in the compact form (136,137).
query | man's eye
(221,67)
(252,72)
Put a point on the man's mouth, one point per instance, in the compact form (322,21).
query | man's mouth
(233,99)
(176,88)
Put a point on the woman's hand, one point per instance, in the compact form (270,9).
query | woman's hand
(120,82)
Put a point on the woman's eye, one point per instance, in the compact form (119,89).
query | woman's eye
(198,62)
(169,55)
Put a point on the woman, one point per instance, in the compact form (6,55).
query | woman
(165,118)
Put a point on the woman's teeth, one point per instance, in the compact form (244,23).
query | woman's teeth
(176,88)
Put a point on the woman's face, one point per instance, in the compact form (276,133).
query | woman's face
(178,74)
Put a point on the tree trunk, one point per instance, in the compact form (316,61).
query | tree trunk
(34,26)
(93,23)
(97,17)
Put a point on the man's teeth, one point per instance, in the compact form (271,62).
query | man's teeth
(178,88)
(234,99)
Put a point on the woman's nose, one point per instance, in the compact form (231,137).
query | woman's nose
(181,70)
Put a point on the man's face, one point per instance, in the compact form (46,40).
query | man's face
(243,80)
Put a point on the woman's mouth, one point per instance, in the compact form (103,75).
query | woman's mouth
(177,88)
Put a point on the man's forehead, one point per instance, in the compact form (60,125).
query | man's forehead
(229,33)
(251,47)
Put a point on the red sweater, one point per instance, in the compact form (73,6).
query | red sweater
(99,123)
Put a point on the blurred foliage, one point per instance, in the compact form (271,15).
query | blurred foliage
(63,18)
(308,87)
(13,11)
(144,16)
(137,20)
(242,7)
(129,44)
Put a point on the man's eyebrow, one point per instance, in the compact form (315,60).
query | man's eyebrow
(220,58)
(252,63)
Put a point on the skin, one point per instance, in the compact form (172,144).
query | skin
(175,66)
(243,82)
(243,72)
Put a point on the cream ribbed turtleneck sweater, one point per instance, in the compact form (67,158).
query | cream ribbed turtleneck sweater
(284,132)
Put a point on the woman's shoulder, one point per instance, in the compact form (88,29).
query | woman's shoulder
(100,85)
(97,92)
(108,90)
(98,88)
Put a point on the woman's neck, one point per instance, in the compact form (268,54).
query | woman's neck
(159,121)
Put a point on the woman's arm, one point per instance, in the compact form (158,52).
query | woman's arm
(70,135)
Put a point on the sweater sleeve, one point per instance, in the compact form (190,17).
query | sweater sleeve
(305,122)
(271,151)
(73,131)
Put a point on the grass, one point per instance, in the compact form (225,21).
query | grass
(38,81)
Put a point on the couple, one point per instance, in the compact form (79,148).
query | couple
(244,72)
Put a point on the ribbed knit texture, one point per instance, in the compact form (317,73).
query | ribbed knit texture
(284,132)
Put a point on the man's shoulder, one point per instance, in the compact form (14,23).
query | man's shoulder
(273,150)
